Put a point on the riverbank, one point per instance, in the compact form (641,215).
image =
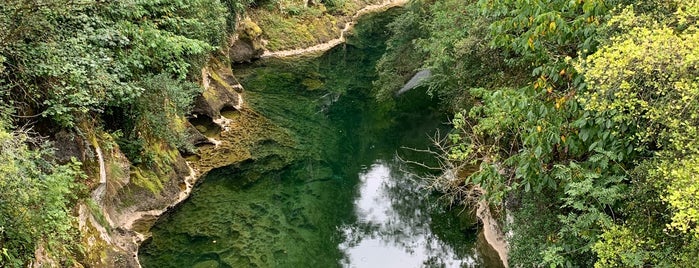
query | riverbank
(492,231)
(341,34)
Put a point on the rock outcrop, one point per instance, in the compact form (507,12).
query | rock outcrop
(246,44)
(222,91)
(127,199)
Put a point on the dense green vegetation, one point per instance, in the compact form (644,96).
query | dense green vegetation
(35,198)
(581,117)
(129,66)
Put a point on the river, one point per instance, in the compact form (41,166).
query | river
(338,194)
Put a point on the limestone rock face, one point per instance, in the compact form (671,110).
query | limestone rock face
(243,50)
(221,92)
(127,199)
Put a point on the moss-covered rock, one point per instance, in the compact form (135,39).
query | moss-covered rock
(221,91)
(247,44)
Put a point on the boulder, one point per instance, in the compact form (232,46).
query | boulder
(247,44)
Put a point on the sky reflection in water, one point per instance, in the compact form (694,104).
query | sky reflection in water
(389,232)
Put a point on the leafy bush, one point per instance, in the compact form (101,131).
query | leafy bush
(157,114)
(36,199)
(73,59)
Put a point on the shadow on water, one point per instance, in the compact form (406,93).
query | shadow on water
(338,195)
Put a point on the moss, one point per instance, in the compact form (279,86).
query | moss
(216,77)
(249,29)
(230,113)
(155,174)
(96,212)
(312,84)
(147,179)
(94,252)
(307,28)
(114,170)
(87,130)
(180,123)
(201,128)
(293,25)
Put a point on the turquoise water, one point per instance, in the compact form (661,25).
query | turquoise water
(339,194)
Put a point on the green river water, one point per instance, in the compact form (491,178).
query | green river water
(338,196)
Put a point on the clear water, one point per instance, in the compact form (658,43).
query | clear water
(336,196)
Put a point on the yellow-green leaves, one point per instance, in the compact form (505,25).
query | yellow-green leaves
(620,247)
(644,81)
(682,192)
(648,78)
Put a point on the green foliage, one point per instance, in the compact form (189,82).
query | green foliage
(158,113)
(36,198)
(682,192)
(591,194)
(134,148)
(334,4)
(73,59)
(644,79)
(459,55)
(542,33)
(620,247)
(588,105)
(202,20)
(402,58)
(96,212)
(535,221)
(163,121)
(235,9)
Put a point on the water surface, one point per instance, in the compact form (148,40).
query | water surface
(339,194)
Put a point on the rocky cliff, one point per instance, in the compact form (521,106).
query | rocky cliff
(126,199)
